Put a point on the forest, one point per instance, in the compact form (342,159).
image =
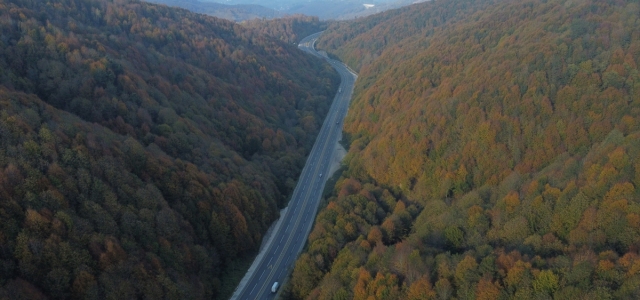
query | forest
(144,150)
(290,29)
(494,154)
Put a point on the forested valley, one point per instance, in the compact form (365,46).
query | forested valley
(144,150)
(494,154)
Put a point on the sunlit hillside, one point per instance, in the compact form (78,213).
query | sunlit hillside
(494,154)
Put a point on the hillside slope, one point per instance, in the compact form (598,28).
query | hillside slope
(360,43)
(144,150)
(290,29)
(493,156)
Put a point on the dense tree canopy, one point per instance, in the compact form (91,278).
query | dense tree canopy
(143,149)
(290,29)
(494,154)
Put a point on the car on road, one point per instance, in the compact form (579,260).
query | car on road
(274,287)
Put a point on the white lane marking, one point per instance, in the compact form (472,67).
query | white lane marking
(325,133)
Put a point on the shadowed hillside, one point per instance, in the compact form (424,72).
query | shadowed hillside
(144,150)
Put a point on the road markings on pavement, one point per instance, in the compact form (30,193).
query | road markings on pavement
(305,201)
(304,193)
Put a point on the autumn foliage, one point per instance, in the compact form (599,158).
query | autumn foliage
(144,150)
(494,155)
(289,29)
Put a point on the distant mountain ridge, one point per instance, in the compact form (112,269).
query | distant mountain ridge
(343,10)
(324,9)
(236,13)
(327,9)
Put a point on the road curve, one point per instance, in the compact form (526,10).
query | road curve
(276,260)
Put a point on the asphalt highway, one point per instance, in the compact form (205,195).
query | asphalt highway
(289,237)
